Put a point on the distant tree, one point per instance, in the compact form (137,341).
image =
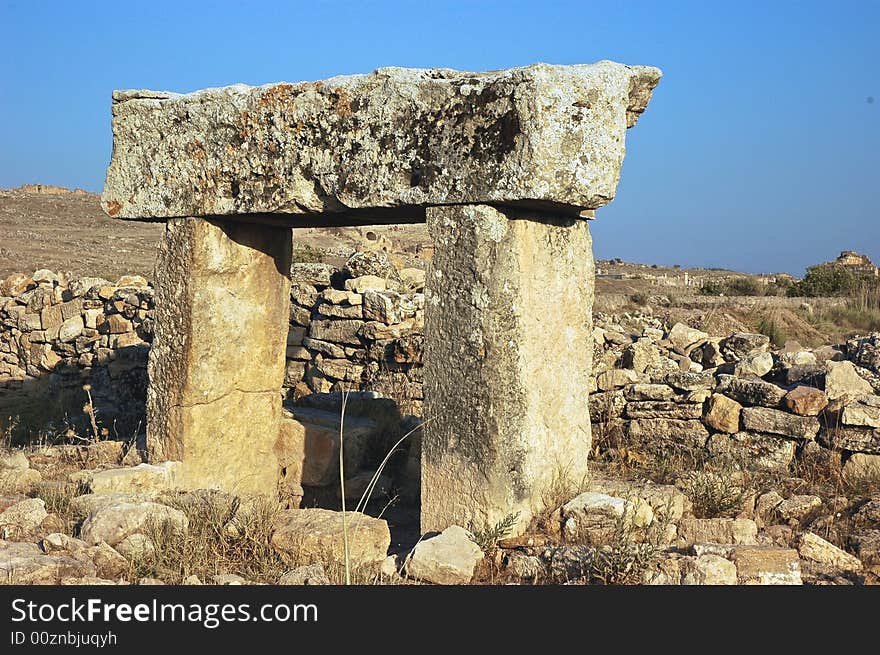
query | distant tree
(826,280)
(743,286)
(711,288)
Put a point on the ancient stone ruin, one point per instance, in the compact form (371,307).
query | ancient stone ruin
(504,166)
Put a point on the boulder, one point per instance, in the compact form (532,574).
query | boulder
(817,549)
(716,531)
(805,401)
(774,421)
(723,414)
(113,523)
(708,570)
(448,558)
(841,379)
(317,535)
(763,565)
(22,520)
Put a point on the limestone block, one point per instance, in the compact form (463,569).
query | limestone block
(218,356)
(551,137)
(500,428)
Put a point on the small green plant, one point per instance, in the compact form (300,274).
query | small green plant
(715,495)
(630,551)
(487,537)
(772,329)
(639,299)
(711,288)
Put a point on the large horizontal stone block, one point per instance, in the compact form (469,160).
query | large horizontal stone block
(542,136)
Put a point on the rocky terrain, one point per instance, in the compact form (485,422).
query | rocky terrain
(722,455)
(719,460)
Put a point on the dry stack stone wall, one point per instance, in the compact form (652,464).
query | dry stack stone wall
(361,326)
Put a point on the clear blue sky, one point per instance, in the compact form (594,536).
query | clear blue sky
(760,150)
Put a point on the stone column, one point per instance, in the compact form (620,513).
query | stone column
(217,360)
(508,354)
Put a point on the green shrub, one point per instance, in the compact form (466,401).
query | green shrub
(711,288)
(827,280)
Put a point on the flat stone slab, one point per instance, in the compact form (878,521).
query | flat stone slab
(542,137)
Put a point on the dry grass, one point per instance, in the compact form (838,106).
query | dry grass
(222,538)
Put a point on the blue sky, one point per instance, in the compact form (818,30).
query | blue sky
(760,150)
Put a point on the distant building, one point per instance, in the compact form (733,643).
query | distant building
(858,264)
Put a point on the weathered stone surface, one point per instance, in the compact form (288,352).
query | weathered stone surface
(113,523)
(716,531)
(664,409)
(864,412)
(805,401)
(316,535)
(308,446)
(798,507)
(740,344)
(708,569)
(658,430)
(768,451)
(683,338)
(817,549)
(862,467)
(394,137)
(309,574)
(761,565)
(501,430)
(774,421)
(750,392)
(448,558)
(592,517)
(841,379)
(26,564)
(217,360)
(722,414)
(22,520)
(140,478)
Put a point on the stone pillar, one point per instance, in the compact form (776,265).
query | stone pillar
(508,354)
(217,361)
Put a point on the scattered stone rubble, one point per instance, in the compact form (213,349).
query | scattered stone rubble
(361,327)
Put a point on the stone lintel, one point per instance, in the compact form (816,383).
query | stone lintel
(542,138)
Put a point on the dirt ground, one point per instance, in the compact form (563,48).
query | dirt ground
(67,231)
